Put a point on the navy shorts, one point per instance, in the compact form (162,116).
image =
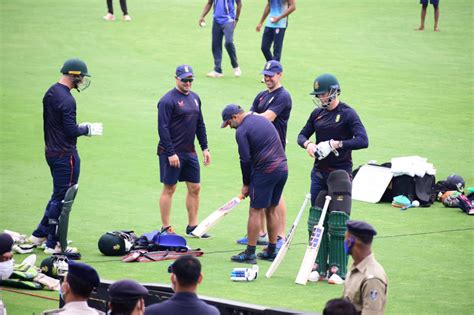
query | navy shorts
(188,170)
(433,2)
(266,189)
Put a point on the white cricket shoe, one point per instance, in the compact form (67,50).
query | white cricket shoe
(237,72)
(127,18)
(37,241)
(214,74)
(335,279)
(109,17)
(57,250)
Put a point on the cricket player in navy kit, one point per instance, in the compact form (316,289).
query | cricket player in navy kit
(60,136)
(180,121)
(338,130)
(264,174)
(274,103)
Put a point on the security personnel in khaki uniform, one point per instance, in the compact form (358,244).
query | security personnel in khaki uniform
(366,282)
(76,288)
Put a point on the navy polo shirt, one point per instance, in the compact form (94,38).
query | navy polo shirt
(260,148)
(59,120)
(341,123)
(279,102)
(180,121)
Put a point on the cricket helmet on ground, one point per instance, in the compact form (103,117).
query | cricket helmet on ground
(54,266)
(326,83)
(75,66)
(457,181)
(116,243)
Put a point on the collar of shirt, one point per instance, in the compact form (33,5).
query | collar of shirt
(76,305)
(362,266)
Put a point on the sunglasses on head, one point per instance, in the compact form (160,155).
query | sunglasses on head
(186,80)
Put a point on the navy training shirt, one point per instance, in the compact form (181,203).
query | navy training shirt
(180,120)
(279,102)
(260,147)
(182,303)
(341,123)
(59,121)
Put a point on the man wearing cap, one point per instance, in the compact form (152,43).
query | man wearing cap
(180,121)
(126,297)
(274,104)
(264,174)
(277,12)
(185,277)
(366,283)
(6,256)
(338,131)
(60,136)
(225,18)
(75,290)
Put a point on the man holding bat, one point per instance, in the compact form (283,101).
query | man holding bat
(338,130)
(264,174)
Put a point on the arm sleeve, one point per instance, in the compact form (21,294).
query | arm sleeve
(71,128)
(165,111)
(254,104)
(360,139)
(306,132)
(374,296)
(244,153)
(201,130)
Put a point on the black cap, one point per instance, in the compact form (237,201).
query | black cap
(127,289)
(84,272)
(6,243)
(228,112)
(360,228)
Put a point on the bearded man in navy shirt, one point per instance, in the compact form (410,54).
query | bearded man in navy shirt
(180,121)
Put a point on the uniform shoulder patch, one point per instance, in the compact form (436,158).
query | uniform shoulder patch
(373,295)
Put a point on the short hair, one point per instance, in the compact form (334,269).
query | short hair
(366,239)
(78,286)
(339,307)
(123,307)
(187,269)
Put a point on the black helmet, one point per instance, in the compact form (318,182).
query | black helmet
(54,266)
(116,243)
(457,181)
(75,66)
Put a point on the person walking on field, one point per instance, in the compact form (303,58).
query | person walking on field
(180,121)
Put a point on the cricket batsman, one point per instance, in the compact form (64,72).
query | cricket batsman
(338,131)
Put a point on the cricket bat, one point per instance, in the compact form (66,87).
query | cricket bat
(282,252)
(313,247)
(216,216)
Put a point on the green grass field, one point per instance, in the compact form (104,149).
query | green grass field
(413,91)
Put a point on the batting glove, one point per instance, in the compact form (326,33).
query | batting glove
(323,149)
(94,129)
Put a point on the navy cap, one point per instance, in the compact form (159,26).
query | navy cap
(228,112)
(6,243)
(84,272)
(360,228)
(272,67)
(127,289)
(184,71)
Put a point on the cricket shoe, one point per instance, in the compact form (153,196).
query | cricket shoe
(280,242)
(266,255)
(335,279)
(214,74)
(127,18)
(243,257)
(23,248)
(190,229)
(58,250)
(109,17)
(261,241)
(37,241)
(237,72)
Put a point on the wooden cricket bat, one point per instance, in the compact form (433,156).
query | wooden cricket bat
(313,247)
(282,252)
(216,216)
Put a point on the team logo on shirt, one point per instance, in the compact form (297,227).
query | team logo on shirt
(181,103)
(196,102)
(373,295)
(338,117)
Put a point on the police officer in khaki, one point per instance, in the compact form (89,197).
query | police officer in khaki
(366,282)
(76,288)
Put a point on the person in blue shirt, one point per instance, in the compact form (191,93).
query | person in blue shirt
(276,14)
(185,277)
(274,103)
(60,136)
(339,131)
(180,121)
(224,22)
(264,174)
